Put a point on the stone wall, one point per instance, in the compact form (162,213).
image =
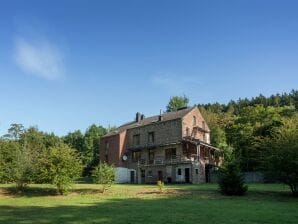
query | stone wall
(164,133)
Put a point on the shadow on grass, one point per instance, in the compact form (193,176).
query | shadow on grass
(33,191)
(158,210)
(28,191)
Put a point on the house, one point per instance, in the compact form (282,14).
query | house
(173,147)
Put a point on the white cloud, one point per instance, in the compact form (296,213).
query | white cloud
(39,58)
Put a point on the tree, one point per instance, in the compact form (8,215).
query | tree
(8,161)
(91,144)
(177,102)
(15,164)
(104,174)
(61,167)
(281,154)
(231,181)
(87,145)
(15,131)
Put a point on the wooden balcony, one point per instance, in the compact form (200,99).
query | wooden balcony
(159,161)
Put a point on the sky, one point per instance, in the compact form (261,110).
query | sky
(65,65)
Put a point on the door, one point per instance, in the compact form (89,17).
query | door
(160,175)
(207,172)
(132,177)
(142,176)
(187,175)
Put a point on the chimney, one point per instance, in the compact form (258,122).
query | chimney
(138,117)
(142,117)
(160,116)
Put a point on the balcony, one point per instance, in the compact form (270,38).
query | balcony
(179,159)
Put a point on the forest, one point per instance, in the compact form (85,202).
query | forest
(261,133)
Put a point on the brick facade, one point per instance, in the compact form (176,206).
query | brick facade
(172,147)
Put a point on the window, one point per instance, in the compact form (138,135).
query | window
(194,121)
(151,156)
(150,137)
(143,173)
(136,139)
(170,153)
(187,132)
(136,156)
(107,146)
(203,125)
(197,171)
(106,158)
(149,173)
(179,172)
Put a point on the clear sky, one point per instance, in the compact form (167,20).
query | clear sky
(67,64)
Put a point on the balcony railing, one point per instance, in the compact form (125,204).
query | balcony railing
(166,161)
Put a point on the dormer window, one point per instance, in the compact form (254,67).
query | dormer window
(194,121)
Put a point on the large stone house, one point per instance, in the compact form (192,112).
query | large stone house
(172,147)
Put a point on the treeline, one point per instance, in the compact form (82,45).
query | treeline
(32,156)
(235,107)
(242,128)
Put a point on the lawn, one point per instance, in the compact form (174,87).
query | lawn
(144,204)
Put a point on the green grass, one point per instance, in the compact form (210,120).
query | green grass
(126,204)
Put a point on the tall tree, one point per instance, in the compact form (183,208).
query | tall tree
(281,154)
(15,131)
(177,102)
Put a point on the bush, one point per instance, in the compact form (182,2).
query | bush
(160,186)
(231,181)
(280,160)
(104,174)
(15,164)
(61,167)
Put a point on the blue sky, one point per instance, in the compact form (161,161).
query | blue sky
(67,64)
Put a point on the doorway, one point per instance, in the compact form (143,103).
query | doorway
(208,168)
(142,176)
(160,175)
(132,177)
(187,175)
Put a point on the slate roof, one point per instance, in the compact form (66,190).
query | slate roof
(149,120)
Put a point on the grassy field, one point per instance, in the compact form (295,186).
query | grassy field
(144,204)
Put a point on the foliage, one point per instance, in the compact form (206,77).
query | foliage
(104,174)
(177,102)
(87,145)
(15,131)
(15,164)
(281,154)
(160,186)
(61,167)
(231,180)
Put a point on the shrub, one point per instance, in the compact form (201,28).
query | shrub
(231,181)
(160,186)
(281,154)
(61,167)
(15,164)
(104,174)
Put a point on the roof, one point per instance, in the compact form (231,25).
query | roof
(149,120)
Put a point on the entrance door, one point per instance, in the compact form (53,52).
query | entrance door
(132,177)
(160,176)
(142,176)
(208,168)
(187,175)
